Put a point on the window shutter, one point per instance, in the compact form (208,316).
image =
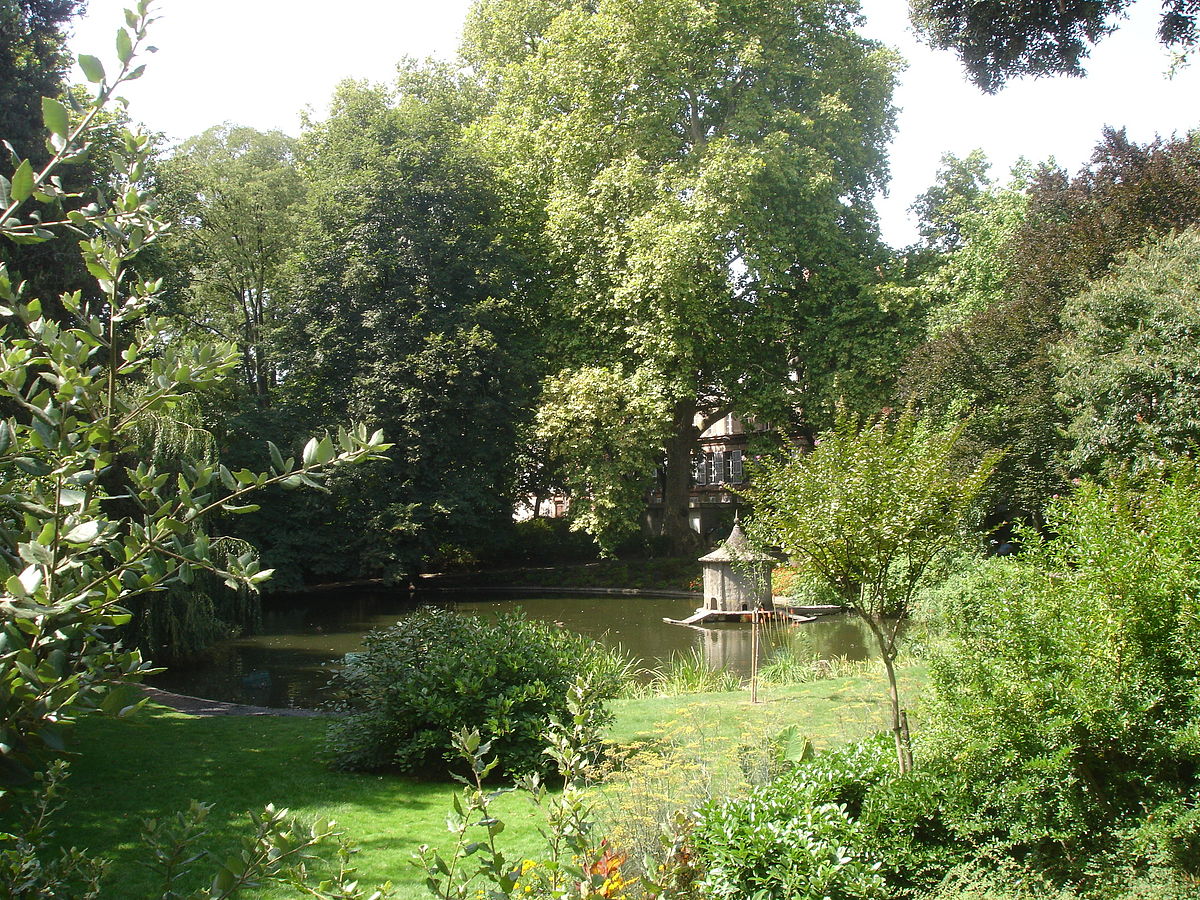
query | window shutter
(735,467)
(719,467)
(701,469)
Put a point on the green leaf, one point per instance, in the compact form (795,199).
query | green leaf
(93,69)
(124,46)
(22,183)
(83,533)
(35,553)
(310,452)
(276,457)
(56,117)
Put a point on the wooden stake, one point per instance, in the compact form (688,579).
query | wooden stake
(754,657)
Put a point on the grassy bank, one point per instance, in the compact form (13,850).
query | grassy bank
(156,764)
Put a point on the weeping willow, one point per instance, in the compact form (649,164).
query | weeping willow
(185,619)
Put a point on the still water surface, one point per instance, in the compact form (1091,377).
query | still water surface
(289,662)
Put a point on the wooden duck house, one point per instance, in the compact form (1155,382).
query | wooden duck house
(737,578)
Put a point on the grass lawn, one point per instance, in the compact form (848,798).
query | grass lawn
(155,764)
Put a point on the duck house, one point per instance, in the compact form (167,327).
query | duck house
(737,578)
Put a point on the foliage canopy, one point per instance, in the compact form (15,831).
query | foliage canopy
(1000,39)
(702,174)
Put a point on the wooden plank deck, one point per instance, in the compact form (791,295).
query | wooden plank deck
(698,616)
(797,615)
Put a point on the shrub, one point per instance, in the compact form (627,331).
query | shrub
(436,671)
(546,542)
(800,835)
(1066,695)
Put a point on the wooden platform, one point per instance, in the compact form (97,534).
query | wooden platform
(797,615)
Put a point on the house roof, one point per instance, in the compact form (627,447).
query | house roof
(736,548)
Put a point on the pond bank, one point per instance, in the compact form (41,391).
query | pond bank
(198,706)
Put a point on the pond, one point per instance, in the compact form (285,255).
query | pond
(288,663)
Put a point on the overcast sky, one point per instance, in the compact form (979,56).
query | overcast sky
(260,62)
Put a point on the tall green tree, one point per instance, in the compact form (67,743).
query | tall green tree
(968,221)
(236,194)
(409,306)
(1000,39)
(704,171)
(33,64)
(1128,362)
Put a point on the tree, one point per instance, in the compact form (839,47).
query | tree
(237,195)
(998,39)
(610,469)
(998,363)
(33,61)
(867,513)
(702,172)
(968,220)
(1128,371)
(1078,225)
(33,65)
(410,308)
(970,367)
(80,533)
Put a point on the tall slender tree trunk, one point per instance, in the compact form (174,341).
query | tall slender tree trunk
(887,652)
(677,483)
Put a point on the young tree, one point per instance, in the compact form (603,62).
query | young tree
(867,513)
(702,171)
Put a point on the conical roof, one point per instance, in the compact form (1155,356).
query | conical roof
(736,548)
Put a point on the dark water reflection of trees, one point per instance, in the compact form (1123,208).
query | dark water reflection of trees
(289,663)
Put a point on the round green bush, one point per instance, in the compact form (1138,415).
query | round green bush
(436,671)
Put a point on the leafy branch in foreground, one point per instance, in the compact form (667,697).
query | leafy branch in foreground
(84,525)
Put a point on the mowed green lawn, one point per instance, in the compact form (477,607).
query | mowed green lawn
(156,763)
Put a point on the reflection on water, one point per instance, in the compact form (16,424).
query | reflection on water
(289,663)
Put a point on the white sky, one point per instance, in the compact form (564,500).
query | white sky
(259,62)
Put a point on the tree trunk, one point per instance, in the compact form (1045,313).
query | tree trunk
(677,483)
(899,723)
